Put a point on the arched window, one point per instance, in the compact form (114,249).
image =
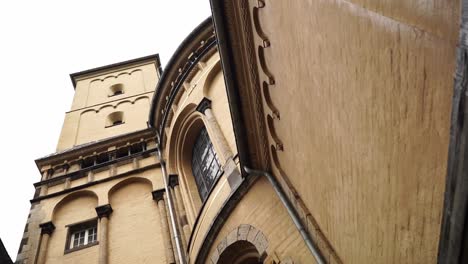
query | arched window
(116,89)
(205,164)
(114,119)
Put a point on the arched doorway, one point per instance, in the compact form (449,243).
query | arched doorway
(240,252)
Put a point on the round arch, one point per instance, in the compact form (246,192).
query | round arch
(72,197)
(240,252)
(186,127)
(127,181)
(214,71)
(243,245)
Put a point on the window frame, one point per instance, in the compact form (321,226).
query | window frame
(79,227)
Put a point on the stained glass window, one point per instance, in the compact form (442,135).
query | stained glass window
(205,164)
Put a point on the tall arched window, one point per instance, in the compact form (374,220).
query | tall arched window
(205,165)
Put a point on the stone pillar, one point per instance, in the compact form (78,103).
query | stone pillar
(174,183)
(66,167)
(46,231)
(103,212)
(231,172)
(90,176)
(67,184)
(158,196)
(113,166)
(217,135)
(50,173)
(44,187)
(135,163)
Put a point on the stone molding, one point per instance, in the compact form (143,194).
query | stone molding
(47,228)
(158,195)
(173,180)
(203,105)
(243,232)
(104,210)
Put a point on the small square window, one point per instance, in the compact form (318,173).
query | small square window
(81,235)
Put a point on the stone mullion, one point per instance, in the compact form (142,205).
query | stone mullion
(174,183)
(158,196)
(103,213)
(216,135)
(45,187)
(225,154)
(46,232)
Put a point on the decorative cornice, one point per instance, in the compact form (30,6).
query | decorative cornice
(88,148)
(83,172)
(182,66)
(47,228)
(86,185)
(158,194)
(203,105)
(173,180)
(154,57)
(104,210)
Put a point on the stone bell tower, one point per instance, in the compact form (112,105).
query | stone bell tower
(95,200)
(110,101)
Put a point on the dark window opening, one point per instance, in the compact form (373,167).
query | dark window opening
(136,148)
(205,164)
(102,158)
(87,162)
(122,152)
(240,252)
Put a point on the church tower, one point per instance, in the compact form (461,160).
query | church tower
(109,101)
(101,191)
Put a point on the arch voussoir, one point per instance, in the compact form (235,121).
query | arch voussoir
(243,232)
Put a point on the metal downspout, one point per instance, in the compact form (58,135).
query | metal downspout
(292,213)
(175,230)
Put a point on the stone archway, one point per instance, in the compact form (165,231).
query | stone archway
(244,244)
(240,252)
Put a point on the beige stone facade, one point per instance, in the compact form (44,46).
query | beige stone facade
(105,155)
(279,132)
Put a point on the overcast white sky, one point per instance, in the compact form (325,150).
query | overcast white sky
(41,43)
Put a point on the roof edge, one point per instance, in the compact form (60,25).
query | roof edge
(154,57)
(172,63)
(92,144)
